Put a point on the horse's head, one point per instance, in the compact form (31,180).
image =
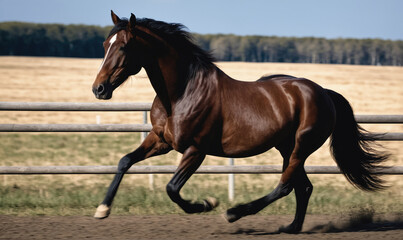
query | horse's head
(165,50)
(122,58)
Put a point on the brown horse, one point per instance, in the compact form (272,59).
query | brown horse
(199,111)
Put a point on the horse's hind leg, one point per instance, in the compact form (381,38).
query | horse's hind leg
(303,189)
(290,179)
(233,214)
(294,176)
(280,191)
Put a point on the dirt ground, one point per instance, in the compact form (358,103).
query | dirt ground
(198,227)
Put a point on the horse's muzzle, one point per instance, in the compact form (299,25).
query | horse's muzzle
(102,91)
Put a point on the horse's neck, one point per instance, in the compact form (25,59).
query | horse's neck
(169,86)
(158,83)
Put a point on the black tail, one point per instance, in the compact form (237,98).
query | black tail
(351,148)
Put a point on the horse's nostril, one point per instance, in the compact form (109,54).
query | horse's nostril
(100,89)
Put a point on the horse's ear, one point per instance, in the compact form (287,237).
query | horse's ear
(132,22)
(115,18)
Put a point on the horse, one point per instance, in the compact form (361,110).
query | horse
(199,110)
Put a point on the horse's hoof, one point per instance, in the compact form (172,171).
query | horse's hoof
(231,217)
(291,229)
(210,203)
(102,212)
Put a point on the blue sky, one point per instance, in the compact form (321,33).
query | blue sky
(299,18)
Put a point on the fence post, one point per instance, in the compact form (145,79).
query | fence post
(231,182)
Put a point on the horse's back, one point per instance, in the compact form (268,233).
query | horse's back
(275,76)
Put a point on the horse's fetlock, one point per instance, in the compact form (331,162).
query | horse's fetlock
(210,203)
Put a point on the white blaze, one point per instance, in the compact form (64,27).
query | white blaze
(113,39)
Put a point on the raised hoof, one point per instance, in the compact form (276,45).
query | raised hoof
(291,229)
(231,216)
(210,203)
(102,212)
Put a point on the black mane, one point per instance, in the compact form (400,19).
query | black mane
(121,25)
(175,35)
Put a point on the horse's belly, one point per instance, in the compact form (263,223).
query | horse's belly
(245,144)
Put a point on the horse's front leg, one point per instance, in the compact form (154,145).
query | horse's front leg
(151,146)
(191,160)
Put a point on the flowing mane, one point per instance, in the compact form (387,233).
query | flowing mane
(194,57)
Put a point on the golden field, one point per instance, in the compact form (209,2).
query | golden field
(370,90)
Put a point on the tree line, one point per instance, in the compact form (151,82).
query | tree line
(29,39)
(304,50)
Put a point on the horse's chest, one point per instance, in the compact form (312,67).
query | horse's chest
(183,131)
(178,132)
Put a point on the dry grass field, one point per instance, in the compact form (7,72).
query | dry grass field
(370,90)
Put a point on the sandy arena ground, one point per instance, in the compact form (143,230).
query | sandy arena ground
(196,227)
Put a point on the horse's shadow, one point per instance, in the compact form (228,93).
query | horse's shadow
(377,226)
(253,232)
(331,228)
